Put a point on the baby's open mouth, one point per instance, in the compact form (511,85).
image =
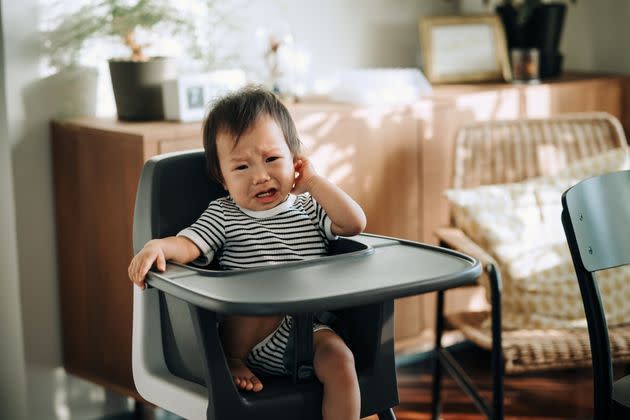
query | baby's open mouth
(267,193)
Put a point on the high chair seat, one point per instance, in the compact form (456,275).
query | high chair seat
(178,361)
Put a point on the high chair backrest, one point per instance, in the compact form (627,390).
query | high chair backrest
(175,195)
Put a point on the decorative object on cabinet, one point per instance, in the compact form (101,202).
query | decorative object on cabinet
(525,64)
(186,97)
(463,48)
(380,86)
(535,24)
(596,223)
(526,266)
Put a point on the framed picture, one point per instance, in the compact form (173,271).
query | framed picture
(463,48)
(187,97)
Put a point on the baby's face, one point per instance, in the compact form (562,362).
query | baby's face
(259,172)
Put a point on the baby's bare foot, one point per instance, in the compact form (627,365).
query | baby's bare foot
(242,376)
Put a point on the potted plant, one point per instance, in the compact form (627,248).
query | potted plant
(136,78)
(535,24)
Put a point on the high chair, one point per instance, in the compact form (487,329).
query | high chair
(178,361)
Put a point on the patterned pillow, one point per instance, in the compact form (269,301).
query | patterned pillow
(519,225)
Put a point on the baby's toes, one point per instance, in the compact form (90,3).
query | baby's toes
(248,384)
(256,384)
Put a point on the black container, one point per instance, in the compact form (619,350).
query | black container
(514,33)
(543,30)
(138,87)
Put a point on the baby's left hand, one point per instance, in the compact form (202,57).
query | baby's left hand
(305,174)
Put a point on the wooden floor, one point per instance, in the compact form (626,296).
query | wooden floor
(563,394)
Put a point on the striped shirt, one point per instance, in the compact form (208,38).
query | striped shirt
(295,230)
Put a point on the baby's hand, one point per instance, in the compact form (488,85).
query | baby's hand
(305,174)
(142,262)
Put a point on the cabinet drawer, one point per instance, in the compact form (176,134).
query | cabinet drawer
(178,145)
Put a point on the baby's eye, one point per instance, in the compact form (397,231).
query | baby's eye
(240,168)
(272,158)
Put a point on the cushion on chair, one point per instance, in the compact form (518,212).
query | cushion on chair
(526,350)
(519,225)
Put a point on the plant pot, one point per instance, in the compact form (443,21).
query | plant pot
(543,30)
(513,31)
(138,87)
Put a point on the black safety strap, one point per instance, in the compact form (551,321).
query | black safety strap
(302,347)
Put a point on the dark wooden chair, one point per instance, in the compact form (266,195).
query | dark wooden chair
(596,220)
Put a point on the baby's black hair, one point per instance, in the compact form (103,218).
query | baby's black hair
(235,113)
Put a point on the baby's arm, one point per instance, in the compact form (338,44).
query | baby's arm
(175,248)
(346,215)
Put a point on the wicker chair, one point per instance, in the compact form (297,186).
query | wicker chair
(501,152)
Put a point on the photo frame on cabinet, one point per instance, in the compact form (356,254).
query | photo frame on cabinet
(463,49)
(187,97)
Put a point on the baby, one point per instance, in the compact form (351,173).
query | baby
(278,210)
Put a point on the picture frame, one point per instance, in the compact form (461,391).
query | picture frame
(187,97)
(464,48)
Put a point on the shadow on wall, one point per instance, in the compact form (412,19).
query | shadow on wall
(51,392)
(68,93)
(389,43)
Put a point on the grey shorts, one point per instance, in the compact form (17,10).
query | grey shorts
(269,357)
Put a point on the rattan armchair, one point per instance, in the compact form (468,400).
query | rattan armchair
(502,152)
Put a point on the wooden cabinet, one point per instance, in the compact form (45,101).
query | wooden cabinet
(97,164)
(394,160)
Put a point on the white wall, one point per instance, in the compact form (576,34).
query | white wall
(26,145)
(12,365)
(365,33)
(597,35)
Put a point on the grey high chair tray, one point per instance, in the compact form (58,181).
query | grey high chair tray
(379,268)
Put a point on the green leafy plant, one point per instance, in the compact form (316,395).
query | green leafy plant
(118,19)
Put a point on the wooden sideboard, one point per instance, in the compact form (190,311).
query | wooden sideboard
(394,160)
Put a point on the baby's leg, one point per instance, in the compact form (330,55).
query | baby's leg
(241,336)
(334,367)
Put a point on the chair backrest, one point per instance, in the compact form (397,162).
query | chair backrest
(499,152)
(596,220)
(599,208)
(172,195)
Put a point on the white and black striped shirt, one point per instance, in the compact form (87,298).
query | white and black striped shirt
(297,229)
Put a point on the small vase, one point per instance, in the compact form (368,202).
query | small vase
(138,87)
